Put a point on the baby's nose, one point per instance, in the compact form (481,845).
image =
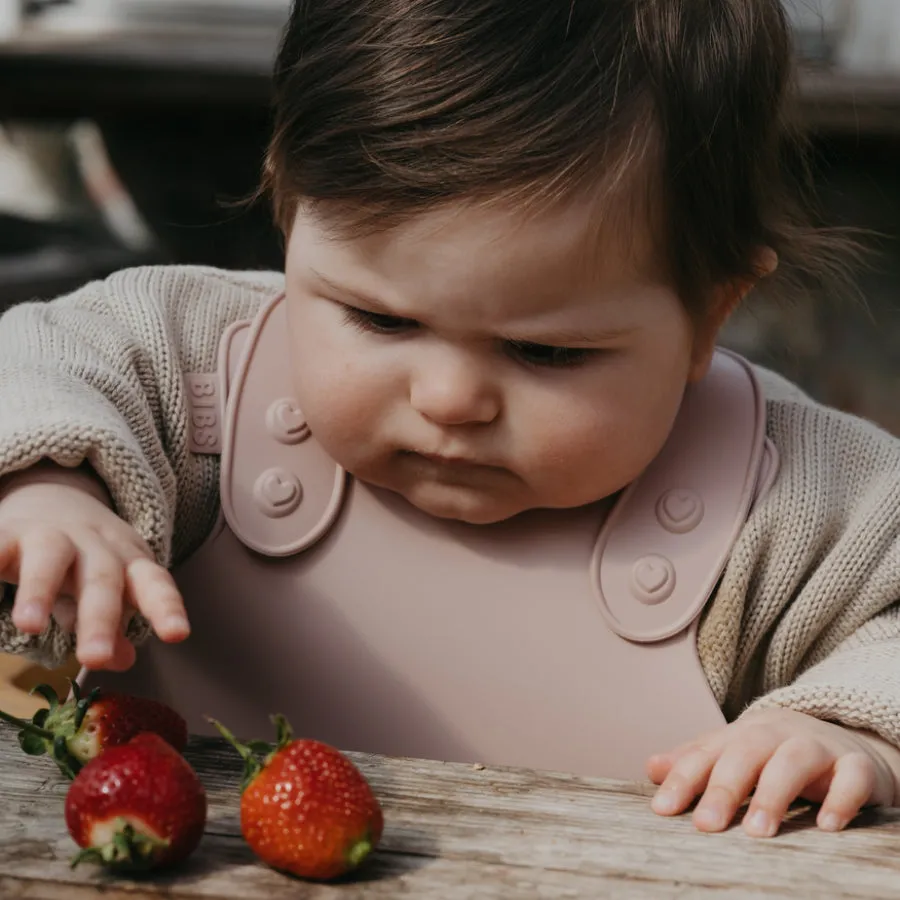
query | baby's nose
(454,393)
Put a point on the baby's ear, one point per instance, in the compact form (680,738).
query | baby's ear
(725,300)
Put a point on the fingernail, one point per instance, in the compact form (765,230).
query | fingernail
(760,824)
(176,625)
(709,817)
(30,616)
(831,822)
(96,647)
(665,802)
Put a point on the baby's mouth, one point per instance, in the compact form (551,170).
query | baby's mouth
(464,469)
(447,460)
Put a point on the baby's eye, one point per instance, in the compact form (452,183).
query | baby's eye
(377,322)
(545,355)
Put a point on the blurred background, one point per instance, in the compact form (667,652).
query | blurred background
(129,129)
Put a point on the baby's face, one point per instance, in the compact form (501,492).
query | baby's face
(480,363)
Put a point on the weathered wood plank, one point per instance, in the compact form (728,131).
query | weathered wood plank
(458,831)
(444,879)
(224,869)
(604,828)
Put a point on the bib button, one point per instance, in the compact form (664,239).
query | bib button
(285,422)
(277,492)
(679,510)
(652,579)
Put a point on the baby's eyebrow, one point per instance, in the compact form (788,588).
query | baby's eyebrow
(355,293)
(567,336)
(553,336)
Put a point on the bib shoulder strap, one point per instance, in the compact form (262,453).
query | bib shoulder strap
(666,542)
(206,392)
(280,490)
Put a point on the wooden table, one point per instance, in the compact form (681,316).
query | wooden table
(455,831)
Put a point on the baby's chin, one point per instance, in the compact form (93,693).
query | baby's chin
(458,505)
(479,498)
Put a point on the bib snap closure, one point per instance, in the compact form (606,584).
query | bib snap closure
(652,579)
(277,492)
(679,510)
(285,422)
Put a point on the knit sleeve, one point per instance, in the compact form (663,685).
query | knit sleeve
(857,685)
(97,377)
(805,616)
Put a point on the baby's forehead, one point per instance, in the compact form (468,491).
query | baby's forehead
(578,239)
(484,270)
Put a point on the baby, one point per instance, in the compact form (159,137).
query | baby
(513,234)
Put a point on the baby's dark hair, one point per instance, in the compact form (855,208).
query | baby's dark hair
(388,108)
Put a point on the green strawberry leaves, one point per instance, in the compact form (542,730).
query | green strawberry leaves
(51,727)
(33,744)
(251,751)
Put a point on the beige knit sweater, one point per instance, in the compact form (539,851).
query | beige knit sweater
(806,615)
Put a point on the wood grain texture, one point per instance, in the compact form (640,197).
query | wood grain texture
(454,831)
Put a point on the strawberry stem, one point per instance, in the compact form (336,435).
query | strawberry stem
(243,749)
(82,705)
(358,852)
(36,740)
(47,692)
(252,750)
(30,727)
(283,730)
(252,765)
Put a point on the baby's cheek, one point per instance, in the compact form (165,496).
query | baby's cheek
(335,409)
(593,452)
(323,367)
(564,456)
(342,408)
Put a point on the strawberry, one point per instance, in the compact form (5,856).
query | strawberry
(305,808)
(80,729)
(136,806)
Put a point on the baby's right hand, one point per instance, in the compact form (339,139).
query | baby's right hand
(73,557)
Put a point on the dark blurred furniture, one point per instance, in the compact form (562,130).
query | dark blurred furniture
(185,118)
(103,75)
(41,259)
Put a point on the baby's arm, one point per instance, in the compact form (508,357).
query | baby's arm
(95,379)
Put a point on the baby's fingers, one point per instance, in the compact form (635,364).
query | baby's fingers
(660,764)
(733,778)
(123,655)
(9,547)
(852,786)
(686,779)
(153,591)
(100,590)
(796,763)
(45,557)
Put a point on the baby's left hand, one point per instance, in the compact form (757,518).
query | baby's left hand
(783,755)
